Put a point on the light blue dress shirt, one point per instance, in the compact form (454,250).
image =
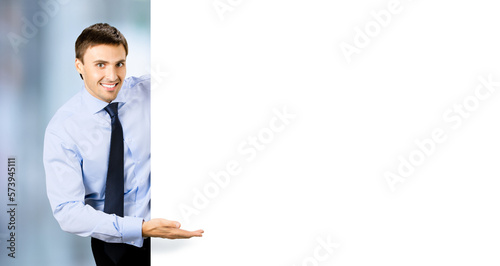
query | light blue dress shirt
(76,154)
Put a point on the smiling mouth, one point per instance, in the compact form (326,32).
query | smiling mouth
(109,86)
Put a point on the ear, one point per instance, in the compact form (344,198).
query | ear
(79,66)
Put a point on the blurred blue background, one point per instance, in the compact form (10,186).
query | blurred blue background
(37,75)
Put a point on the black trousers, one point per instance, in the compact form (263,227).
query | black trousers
(133,255)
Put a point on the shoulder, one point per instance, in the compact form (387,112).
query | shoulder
(66,113)
(138,83)
(137,87)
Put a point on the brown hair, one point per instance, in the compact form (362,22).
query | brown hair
(99,33)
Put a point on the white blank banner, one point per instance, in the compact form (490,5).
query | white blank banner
(327,132)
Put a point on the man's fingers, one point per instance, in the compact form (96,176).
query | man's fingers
(164,228)
(197,233)
(180,233)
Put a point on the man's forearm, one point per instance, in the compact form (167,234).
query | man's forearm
(84,220)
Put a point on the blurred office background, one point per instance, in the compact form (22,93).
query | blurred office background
(37,76)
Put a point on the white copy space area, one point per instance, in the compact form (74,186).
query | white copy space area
(327,132)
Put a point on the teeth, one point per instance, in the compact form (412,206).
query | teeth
(108,86)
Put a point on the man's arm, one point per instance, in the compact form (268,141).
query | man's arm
(66,192)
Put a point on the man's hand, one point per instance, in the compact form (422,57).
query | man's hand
(167,229)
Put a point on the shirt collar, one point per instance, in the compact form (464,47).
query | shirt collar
(95,105)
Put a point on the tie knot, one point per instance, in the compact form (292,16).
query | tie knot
(112,109)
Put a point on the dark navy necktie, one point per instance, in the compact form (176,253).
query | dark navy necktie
(113,201)
(113,197)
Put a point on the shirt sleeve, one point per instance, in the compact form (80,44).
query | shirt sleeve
(66,193)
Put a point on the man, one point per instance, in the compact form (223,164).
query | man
(97,155)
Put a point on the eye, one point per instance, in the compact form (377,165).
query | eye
(120,64)
(100,65)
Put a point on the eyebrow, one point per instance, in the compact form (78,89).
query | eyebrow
(104,61)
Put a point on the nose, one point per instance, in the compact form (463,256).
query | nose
(111,75)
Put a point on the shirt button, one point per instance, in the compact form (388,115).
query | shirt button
(132,242)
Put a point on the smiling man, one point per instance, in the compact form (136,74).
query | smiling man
(97,155)
(103,78)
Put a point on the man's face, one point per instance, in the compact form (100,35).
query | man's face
(104,70)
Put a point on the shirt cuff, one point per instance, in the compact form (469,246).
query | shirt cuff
(132,231)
